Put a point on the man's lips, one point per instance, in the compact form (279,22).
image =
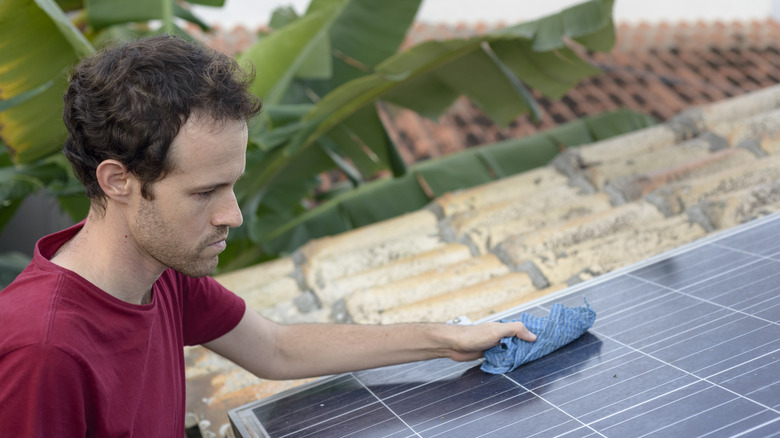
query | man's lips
(219,243)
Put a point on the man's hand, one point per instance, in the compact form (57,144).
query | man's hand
(472,341)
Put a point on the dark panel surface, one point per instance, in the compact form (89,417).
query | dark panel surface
(687,344)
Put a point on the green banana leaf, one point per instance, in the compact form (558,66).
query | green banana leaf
(491,70)
(104,13)
(27,95)
(37,45)
(367,33)
(213,3)
(278,57)
(429,77)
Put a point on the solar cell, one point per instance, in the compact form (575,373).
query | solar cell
(685,344)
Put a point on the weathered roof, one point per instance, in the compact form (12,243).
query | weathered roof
(657,69)
(479,251)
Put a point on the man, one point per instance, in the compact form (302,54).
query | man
(93,329)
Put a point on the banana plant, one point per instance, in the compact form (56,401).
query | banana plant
(340,58)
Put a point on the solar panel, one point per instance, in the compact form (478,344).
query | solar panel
(685,344)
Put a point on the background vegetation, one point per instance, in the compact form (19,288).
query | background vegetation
(320,75)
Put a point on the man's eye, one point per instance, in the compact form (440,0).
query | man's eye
(205,194)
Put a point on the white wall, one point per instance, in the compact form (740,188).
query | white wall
(252,13)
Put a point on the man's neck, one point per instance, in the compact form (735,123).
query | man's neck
(104,253)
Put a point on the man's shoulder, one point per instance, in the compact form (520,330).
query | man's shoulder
(24,307)
(33,311)
(30,293)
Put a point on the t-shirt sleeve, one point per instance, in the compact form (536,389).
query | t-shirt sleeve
(43,394)
(210,310)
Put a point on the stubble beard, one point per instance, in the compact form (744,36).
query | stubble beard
(158,239)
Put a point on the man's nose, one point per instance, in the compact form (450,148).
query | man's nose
(229,213)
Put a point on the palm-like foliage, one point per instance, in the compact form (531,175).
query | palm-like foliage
(320,75)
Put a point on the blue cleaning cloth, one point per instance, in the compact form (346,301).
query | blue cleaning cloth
(563,325)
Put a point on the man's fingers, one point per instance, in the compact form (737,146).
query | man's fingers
(523,333)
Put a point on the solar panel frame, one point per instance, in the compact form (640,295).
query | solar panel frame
(687,341)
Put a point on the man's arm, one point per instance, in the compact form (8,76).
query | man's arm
(275,351)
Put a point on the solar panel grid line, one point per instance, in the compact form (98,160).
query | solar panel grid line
(607,371)
(492,430)
(640,305)
(632,406)
(736,423)
(673,412)
(750,371)
(719,305)
(555,406)
(312,430)
(764,280)
(685,418)
(660,281)
(434,376)
(348,408)
(685,344)
(388,408)
(454,419)
(466,406)
(704,379)
(316,420)
(426,418)
(617,407)
(664,334)
(610,386)
(431,387)
(755,428)
(312,427)
(772,351)
(358,432)
(711,333)
(511,425)
(652,401)
(762,256)
(698,415)
(633,377)
(761,389)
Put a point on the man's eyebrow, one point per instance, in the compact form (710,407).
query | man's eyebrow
(207,186)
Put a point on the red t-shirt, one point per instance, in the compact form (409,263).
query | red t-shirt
(76,362)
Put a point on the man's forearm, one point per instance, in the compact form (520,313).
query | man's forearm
(275,351)
(321,349)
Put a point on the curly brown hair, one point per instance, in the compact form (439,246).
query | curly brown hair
(128,103)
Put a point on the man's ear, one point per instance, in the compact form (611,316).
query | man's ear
(115,180)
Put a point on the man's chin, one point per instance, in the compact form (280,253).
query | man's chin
(200,271)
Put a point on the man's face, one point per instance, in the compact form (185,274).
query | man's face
(185,226)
